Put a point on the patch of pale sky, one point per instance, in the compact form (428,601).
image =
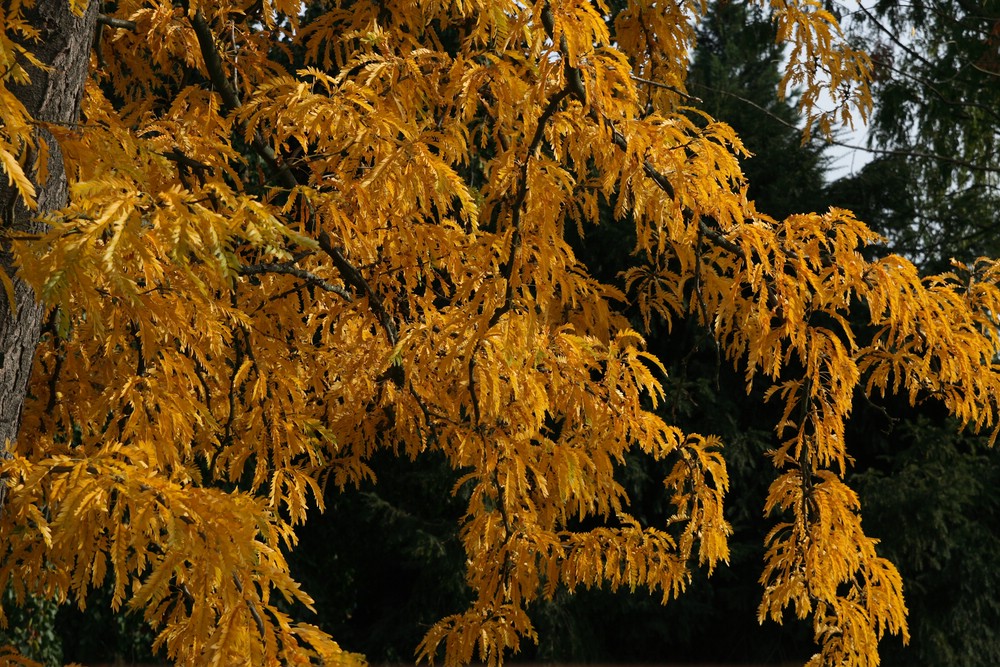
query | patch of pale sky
(846,160)
(848,155)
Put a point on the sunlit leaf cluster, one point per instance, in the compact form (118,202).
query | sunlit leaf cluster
(302,234)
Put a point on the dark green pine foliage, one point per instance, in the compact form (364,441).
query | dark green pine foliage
(384,561)
(936,127)
(922,219)
(930,492)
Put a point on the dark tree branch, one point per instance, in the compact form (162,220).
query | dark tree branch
(311,278)
(257,619)
(213,62)
(657,84)
(573,86)
(230,97)
(892,36)
(507,270)
(648,168)
(112,22)
(353,277)
(987,72)
(183,160)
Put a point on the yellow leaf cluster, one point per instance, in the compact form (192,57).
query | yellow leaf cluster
(19,144)
(268,272)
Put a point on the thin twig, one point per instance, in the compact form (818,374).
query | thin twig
(893,36)
(985,71)
(657,84)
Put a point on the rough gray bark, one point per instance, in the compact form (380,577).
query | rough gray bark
(52,96)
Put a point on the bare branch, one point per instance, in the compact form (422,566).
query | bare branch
(657,84)
(892,35)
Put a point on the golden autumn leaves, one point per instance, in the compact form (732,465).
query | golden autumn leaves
(299,237)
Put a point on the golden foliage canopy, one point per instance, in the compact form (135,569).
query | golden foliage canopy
(301,232)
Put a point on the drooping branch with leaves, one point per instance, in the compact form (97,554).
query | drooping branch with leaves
(300,234)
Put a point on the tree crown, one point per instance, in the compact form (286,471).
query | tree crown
(302,233)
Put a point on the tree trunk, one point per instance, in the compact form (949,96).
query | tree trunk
(52,96)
